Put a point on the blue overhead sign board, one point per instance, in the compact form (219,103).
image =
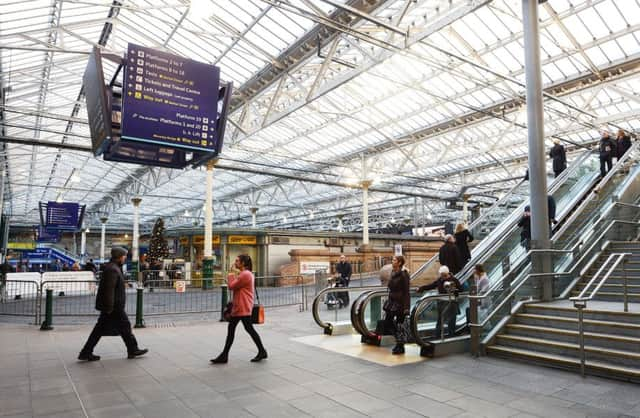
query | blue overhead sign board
(62,215)
(48,235)
(169,100)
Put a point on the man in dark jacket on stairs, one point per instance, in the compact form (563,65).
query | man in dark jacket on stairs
(110,301)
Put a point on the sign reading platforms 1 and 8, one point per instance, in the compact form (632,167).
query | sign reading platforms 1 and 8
(169,100)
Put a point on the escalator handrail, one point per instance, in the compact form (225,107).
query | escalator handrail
(316,301)
(599,186)
(502,237)
(359,316)
(510,221)
(465,272)
(422,304)
(570,272)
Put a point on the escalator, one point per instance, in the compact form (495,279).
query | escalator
(497,251)
(583,201)
(335,321)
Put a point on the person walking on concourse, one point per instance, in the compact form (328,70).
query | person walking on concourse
(110,301)
(242,286)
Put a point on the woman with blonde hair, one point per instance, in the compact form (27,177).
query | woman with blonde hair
(463,237)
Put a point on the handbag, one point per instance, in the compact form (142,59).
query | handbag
(226,314)
(257,312)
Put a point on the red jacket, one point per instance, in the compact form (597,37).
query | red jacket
(242,286)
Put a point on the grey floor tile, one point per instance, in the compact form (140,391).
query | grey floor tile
(482,407)
(54,404)
(396,412)
(19,404)
(171,408)
(425,406)
(361,402)
(120,411)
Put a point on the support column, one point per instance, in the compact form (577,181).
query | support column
(136,235)
(535,128)
(340,226)
(465,209)
(207,262)
(3,242)
(254,212)
(365,211)
(103,238)
(83,245)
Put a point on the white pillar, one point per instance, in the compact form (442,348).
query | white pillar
(465,209)
(365,212)
(254,212)
(340,226)
(136,232)
(103,238)
(83,245)
(208,213)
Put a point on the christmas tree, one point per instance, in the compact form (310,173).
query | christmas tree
(158,248)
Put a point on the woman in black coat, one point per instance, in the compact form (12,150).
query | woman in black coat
(396,308)
(559,157)
(463,237)
(623,143)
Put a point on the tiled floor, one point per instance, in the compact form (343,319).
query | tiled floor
(39,376)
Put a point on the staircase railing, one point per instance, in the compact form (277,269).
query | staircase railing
(580,301)
(581,261)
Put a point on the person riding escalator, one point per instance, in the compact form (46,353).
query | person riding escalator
(446,283)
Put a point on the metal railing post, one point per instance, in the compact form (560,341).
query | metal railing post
(48,319)
(473,319)
(139,308)
(624,276)
(224,299)
(580,307)
(38,313)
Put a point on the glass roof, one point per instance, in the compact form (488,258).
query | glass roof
(425,99)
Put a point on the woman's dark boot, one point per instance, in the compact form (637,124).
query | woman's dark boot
(398,349)
(221,359)
(261,356)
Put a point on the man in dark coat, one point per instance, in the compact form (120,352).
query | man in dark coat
(110,301)
(449,255)
(448,310)
(607,149)
(559,157)
(343,269)
(623,143)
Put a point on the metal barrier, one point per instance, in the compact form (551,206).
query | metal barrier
(76,298)
(20,298)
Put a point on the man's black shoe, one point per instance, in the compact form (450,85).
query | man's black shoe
(138,352)
(88,357)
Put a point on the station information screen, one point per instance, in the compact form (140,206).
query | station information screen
(63,215)
(169,100)
(97,108)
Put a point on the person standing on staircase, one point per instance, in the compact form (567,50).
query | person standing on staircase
(606,148)
(396,308)
(623,143)
(558,156)
(449,255)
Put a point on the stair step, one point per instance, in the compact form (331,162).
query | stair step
(592,367)
(595,339)
(590,325)
(620,357)
(612,296)
(592,314)
(612,288)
